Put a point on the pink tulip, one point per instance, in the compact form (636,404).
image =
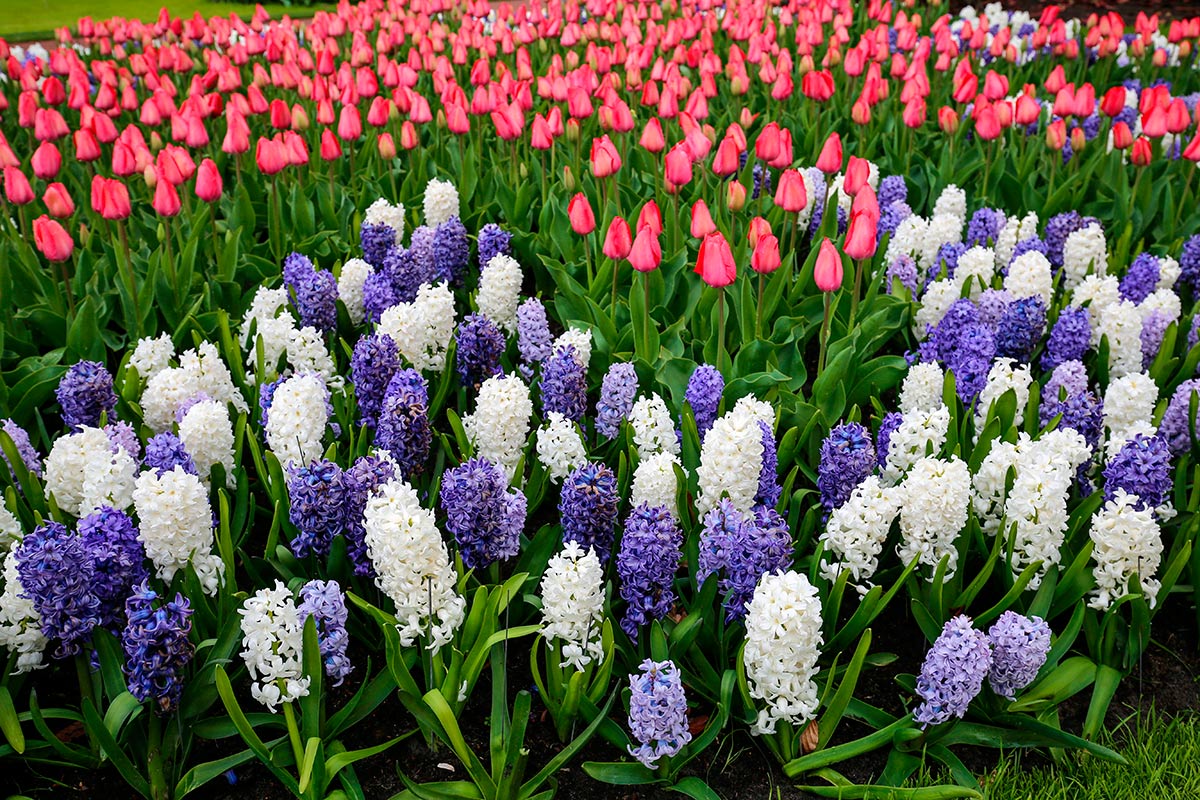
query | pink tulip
(646,253)
(58,201)
(208,181)
(618,241)
(828,270)
(715,264)
(579,211)
(52,239)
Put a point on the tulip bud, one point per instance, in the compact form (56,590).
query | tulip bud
(58,201)
(52,239)
(1078,139)
(387,146)
(572,130)
(735,195)
(828,270)
(617,241)
(569,179)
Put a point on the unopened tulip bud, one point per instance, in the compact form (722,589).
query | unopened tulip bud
(569,179)
(735,195)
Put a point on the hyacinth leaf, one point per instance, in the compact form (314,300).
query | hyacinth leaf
(339,761)
(1107,680)
(1068,679)
(694,787)
(867,611)
(312,752)
(620,773)
(367,698)
(1074,583)
(10,726)
(905,759)
(716,723)
(1060,738)
(1011,596)
(445,790)
(833,755)
(929,625)
(122,709)
(70,754)
(201,774)
(531,786)
(448,726)
(100,733)
(256,745)
(312,704)
(836,707)
(845,790)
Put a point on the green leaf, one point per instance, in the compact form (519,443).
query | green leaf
(201,774)
(694,787)
(108,745)
(620,773)
(841,698)
(9,724)
(225,690)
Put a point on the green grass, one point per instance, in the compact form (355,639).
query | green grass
(36,19)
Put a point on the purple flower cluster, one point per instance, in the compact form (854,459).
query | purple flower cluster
(964,345)
(1069,338)
(478,347)
(313,291)
(378,295)
(1020,645)
(1143,469)
(1058,228)
(817,198)
(533,331)
(118,560)
(403,426)
(405,274)
(421,267)
(157,648)
(891,216)
(375,240)
(847,457)
(451,251)
(762,181)
(1030,245)
(1141,279)
(165,452)
(651,548)
(25,449)
(491,242)
(742,548)
(484,515)
(85,393)
(316,499)
(564,385)
(122,435)
(883,437)
(323,601)
(953,672)
(658,716)
(992,304)
(1081,411)
(617,392)
(1020,329)
(372,364)
(1154,328)
(703,394)
(892,189)
(1189,263)
(56,572)
(364,476)
(903,271)
(1177,422)
(984,228)
(768,474)
(588,507)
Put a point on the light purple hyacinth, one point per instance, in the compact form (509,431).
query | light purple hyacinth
(85,393)
(953,672)
(658,717)
(483,514)
(533,331)
(904,272)
(564,384)
(492,241)
(703,394)
(617,392)
(1177,423)
(324,602)
(1019,648)
(121,434)
(768,474)
(25,449)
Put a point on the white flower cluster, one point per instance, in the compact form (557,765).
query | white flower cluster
(1030,275)
(350,288)
(1005,374)
(1128,409)
(306,352)
(907,239)
(731,459)
(581,340)
(84,471)
(297,419)
(653,429)
(919,433)
(1126,543)
(500,291)
(152,356)
(1085,252)
(423,328)
(975,270)
(20,625)
(499,426)
(1015,230)
(935,302)
(273,646)
(441,202)
(573,604)
(783,640)
(989,485)
(207,434)
(381,212)
(273,326)
(952,201)
(857,530)
(936,495)
(560,448)
(942,229)
(10,527)
(655,482)
(412,565)
(175,525)
(200,371)
(922,388)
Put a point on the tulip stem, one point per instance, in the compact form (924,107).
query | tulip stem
(616,269)
(858,272)
(646,308)
(824,335)
(720,327)
(758,318)
(170,262)
(137,312)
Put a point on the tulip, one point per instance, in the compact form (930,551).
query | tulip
(650,216)
(270,156)
(52,239)
(605,158)
(579,211)
(765,258)
(16,187)
(735,195)
(702,221)
(830,160)
(948,120)
(331,148)
(618,240)
(715,264)
(1056,134)
(166,198)
(678,166)
(58,201)
(791,194)
(87,149)
(208,181)
(987,124)
(646,253)
(408,135)
(766,147)
(725,162)
(858,170)
(1141,154)
(47,161)
(828,270)
(759,228)
(349,124)
(1122,137)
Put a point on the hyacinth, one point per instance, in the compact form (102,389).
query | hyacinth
(937,494)
(485,517)
(588,507)
(1177,423)
(491,241)
(500,291)
(1085,251)
(315,294)
(307,352)
(1020,329)
(769,489)
(323,601)
(372,364)
(1127,543)
(273,647)
(118,560)
(1142,469)
(857,530)
(299,414)
(892,189)
(560,447)
(381,212)
(206,432)
(847,457)
(85,471)
(1004,376)
(902,270)
(913,435)
(1128,406)
(814,212)
(479,345)
(25,449)
(783,640)
(533,331)
(10,527)
(417,262)
(731,460)
(412,566)
(992,304)
(375,239)
(152,355)
(56,572)
(441,202)
(920,391)
(985,226)
(651,549)
(316,497)
(564,384)
(573,605)
(175,525)
(351,281)
(658,716)
(741,547)
(423,328)
(451,251)
(1020,645)
(393,281)
(157,648)
(617,391)
(1069,338)
(704,396)
(1189,262)
(1141,278)
(581,340)
(164,452)
(1058,228)
(363,477)
(85,393)
(20,625)
(500,423)
(953,672)
(653,430)
(403,426)
(1154,328)
(121,434)
(887,426)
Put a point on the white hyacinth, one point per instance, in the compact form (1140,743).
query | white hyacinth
(423,328)
(907,238)
(730,460)
(937,493)
(655,482)
(306,352)
(919,433)
(297,419)
(500,291)
(273,326)
(573,605)
(1129,405)
(1168,273)
(207,434)
(273,646)
(857,530)
(975,270)
(441,202)
(560,448)
(10,527)
(20,625)
(581,340)
(935,302)
(175,525)
(1015,230)
(1101,291)
(1164,301)
(1005,374)
(350,288)
(783,641)
(412,566)
(653,428)
(200,371)
(499,426)
(922,388)
(1084,252)
(1121,324)
(381,212)
(1030,275)
(84,471)
(1126,543)
(989,483)
(952,201)
(943,229)
(152,356)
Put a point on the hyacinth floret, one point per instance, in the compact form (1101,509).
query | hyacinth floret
(451,251)
(533,331)
(403,428)
(564,384)
(588,507)
(703,394)
(85,393)
(273,646)
(324,602)
(479,346)
(651,549)
(847,457)
(373,362)
(1142,469)
(316,501)
(157,648)
(783,640)
(953,672)
(118,560)
(1020,645)
(25,449)
(484,515)
(56,571)
(658,717)
(741,547)
(492,241)
(617,392)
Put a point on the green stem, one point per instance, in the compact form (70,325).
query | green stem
(133,292)
(170,257)
(289,714)
(616,269)
(87,690)
(758,317)
(154,760)
(720,328)
(858,273)
(824,335)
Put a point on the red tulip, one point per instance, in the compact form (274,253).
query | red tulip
(759,228)
(58,201)
(715,264)
(858,170)
(987,124)
(784,158)
(331,148)
(1056,134)
(618,241)
(830,160)
(652,136)
(702,221)
(52,239)
(47,161)
(646,253)
(281,115)
(540,136)
(579,210)
(295,148)
(765,258)
(16,187)
(678,165)
(86,147)
(1113,102)
(208,181)
(166,198)
(828,270)
(1122,137)
(725,162)
(791,194)
(349,124)
(766,147)
(1141,154)
(110,198)
(605,158)
(948,120)
(650,216)
(270,156)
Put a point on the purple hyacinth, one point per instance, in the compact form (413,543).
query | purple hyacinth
(1142,468)
(421,246)
(491,242)
(892,189)
(768,474)
(25,449)
(904,272)
(1070,377)
(363,477)
(315,295)
(122,435)
(992,304)
(451,251)
(118,560)
(984,228)
(533,331)
(485,516)
(165,452)
(1020,329)
(847,457)
(1058,228)
(564,385)
(1177,423)
(658,715)
(588,507)
(964,345)
(1154,328)
(703,394)
(883,438)
(403,426)
(617,392)
(1020,645)
(1083,412)
(651,549)
(762,181)
(157,648)
(324,602)
(85,393)
(479,346)
(891,217)
(404,272)
(57,575)
(375,240)
(953,672)
(1069,338)
(372,364)
(947,257)
(817,198)
(741,547)
(1141,279)
(378,295)
(316,497)
(1189,263)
